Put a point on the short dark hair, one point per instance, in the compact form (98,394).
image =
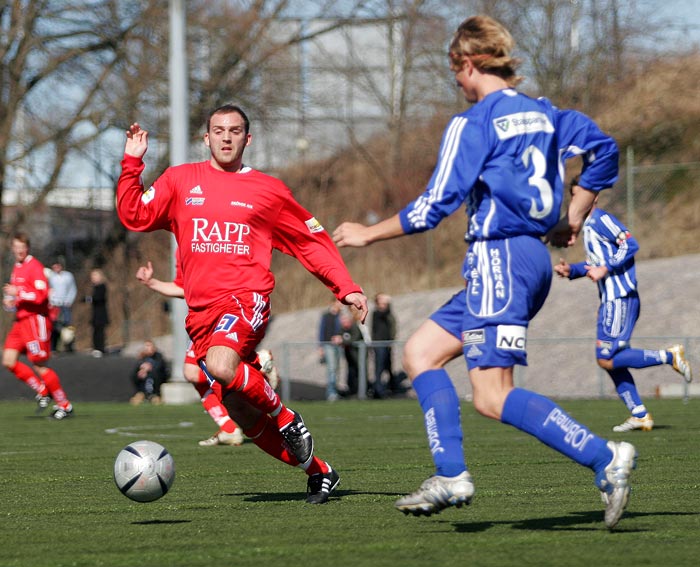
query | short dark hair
(228,109)
(22,237)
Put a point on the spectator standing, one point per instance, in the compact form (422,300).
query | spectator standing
(27,296)
(100,315)
(383,329)
(150,373)
(62,294)
(330,341)
(351,335)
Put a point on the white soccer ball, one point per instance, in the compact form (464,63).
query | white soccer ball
(144,471)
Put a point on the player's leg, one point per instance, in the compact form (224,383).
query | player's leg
(249,384)
(616,320)
(504,344)
(262,430)
(14,345)
(425,355)
(36,331)
(210,395)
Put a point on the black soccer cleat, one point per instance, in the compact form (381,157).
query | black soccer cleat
(298,439)
(320,486)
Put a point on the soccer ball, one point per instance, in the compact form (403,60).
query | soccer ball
(144,471)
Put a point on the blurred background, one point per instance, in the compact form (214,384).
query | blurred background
(347,99)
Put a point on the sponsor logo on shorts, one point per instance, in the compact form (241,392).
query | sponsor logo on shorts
(473,337)
(232,337)
(511,337)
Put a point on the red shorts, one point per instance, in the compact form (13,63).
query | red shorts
(238,323)
(31,335)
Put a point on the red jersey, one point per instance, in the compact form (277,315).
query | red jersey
(226,226)
(32,288)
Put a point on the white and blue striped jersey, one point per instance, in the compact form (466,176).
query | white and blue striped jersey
(504,157)
(608,243)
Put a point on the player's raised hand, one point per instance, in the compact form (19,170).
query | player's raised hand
(136,141)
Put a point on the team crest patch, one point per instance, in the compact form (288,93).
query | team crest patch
(148,195)
(313,225)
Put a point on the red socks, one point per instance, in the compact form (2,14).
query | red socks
(26,375)
(266,435)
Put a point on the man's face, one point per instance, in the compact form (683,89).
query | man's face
(226,139)
(20,250)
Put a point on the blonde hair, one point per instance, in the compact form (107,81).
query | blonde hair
(488,45)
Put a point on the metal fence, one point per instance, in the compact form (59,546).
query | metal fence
(558,367)
(648,190)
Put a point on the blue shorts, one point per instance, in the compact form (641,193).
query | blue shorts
(616,321)
(507,283)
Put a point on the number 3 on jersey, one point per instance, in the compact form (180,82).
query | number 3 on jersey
(539,164)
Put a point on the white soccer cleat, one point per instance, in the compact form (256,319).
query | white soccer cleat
(680,362)
(645,423)
(613,482)
(268,368)
(438,493)
(223,438)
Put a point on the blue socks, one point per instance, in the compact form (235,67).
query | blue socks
(638,358)
(627,390)
(545,420)
(440,404)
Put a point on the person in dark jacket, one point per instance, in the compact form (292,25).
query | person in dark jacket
(100,316)
(383,331)
(150,372)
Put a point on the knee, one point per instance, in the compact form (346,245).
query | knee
(489,404)
(605,363)
(221,372)
(191,373)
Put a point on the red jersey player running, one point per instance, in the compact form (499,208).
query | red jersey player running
(28,295)
(210,394)
(226,219)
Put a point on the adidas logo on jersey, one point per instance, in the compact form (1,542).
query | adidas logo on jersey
(196,190)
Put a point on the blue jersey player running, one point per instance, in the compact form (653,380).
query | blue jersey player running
(610,250)
(503,158)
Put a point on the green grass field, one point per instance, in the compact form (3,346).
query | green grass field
(236,506)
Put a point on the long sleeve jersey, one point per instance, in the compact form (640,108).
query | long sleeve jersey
(32,288)
(226,226)
(504,158)
(608,243)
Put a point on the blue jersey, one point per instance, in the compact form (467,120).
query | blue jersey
(504,158)
(608,243)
